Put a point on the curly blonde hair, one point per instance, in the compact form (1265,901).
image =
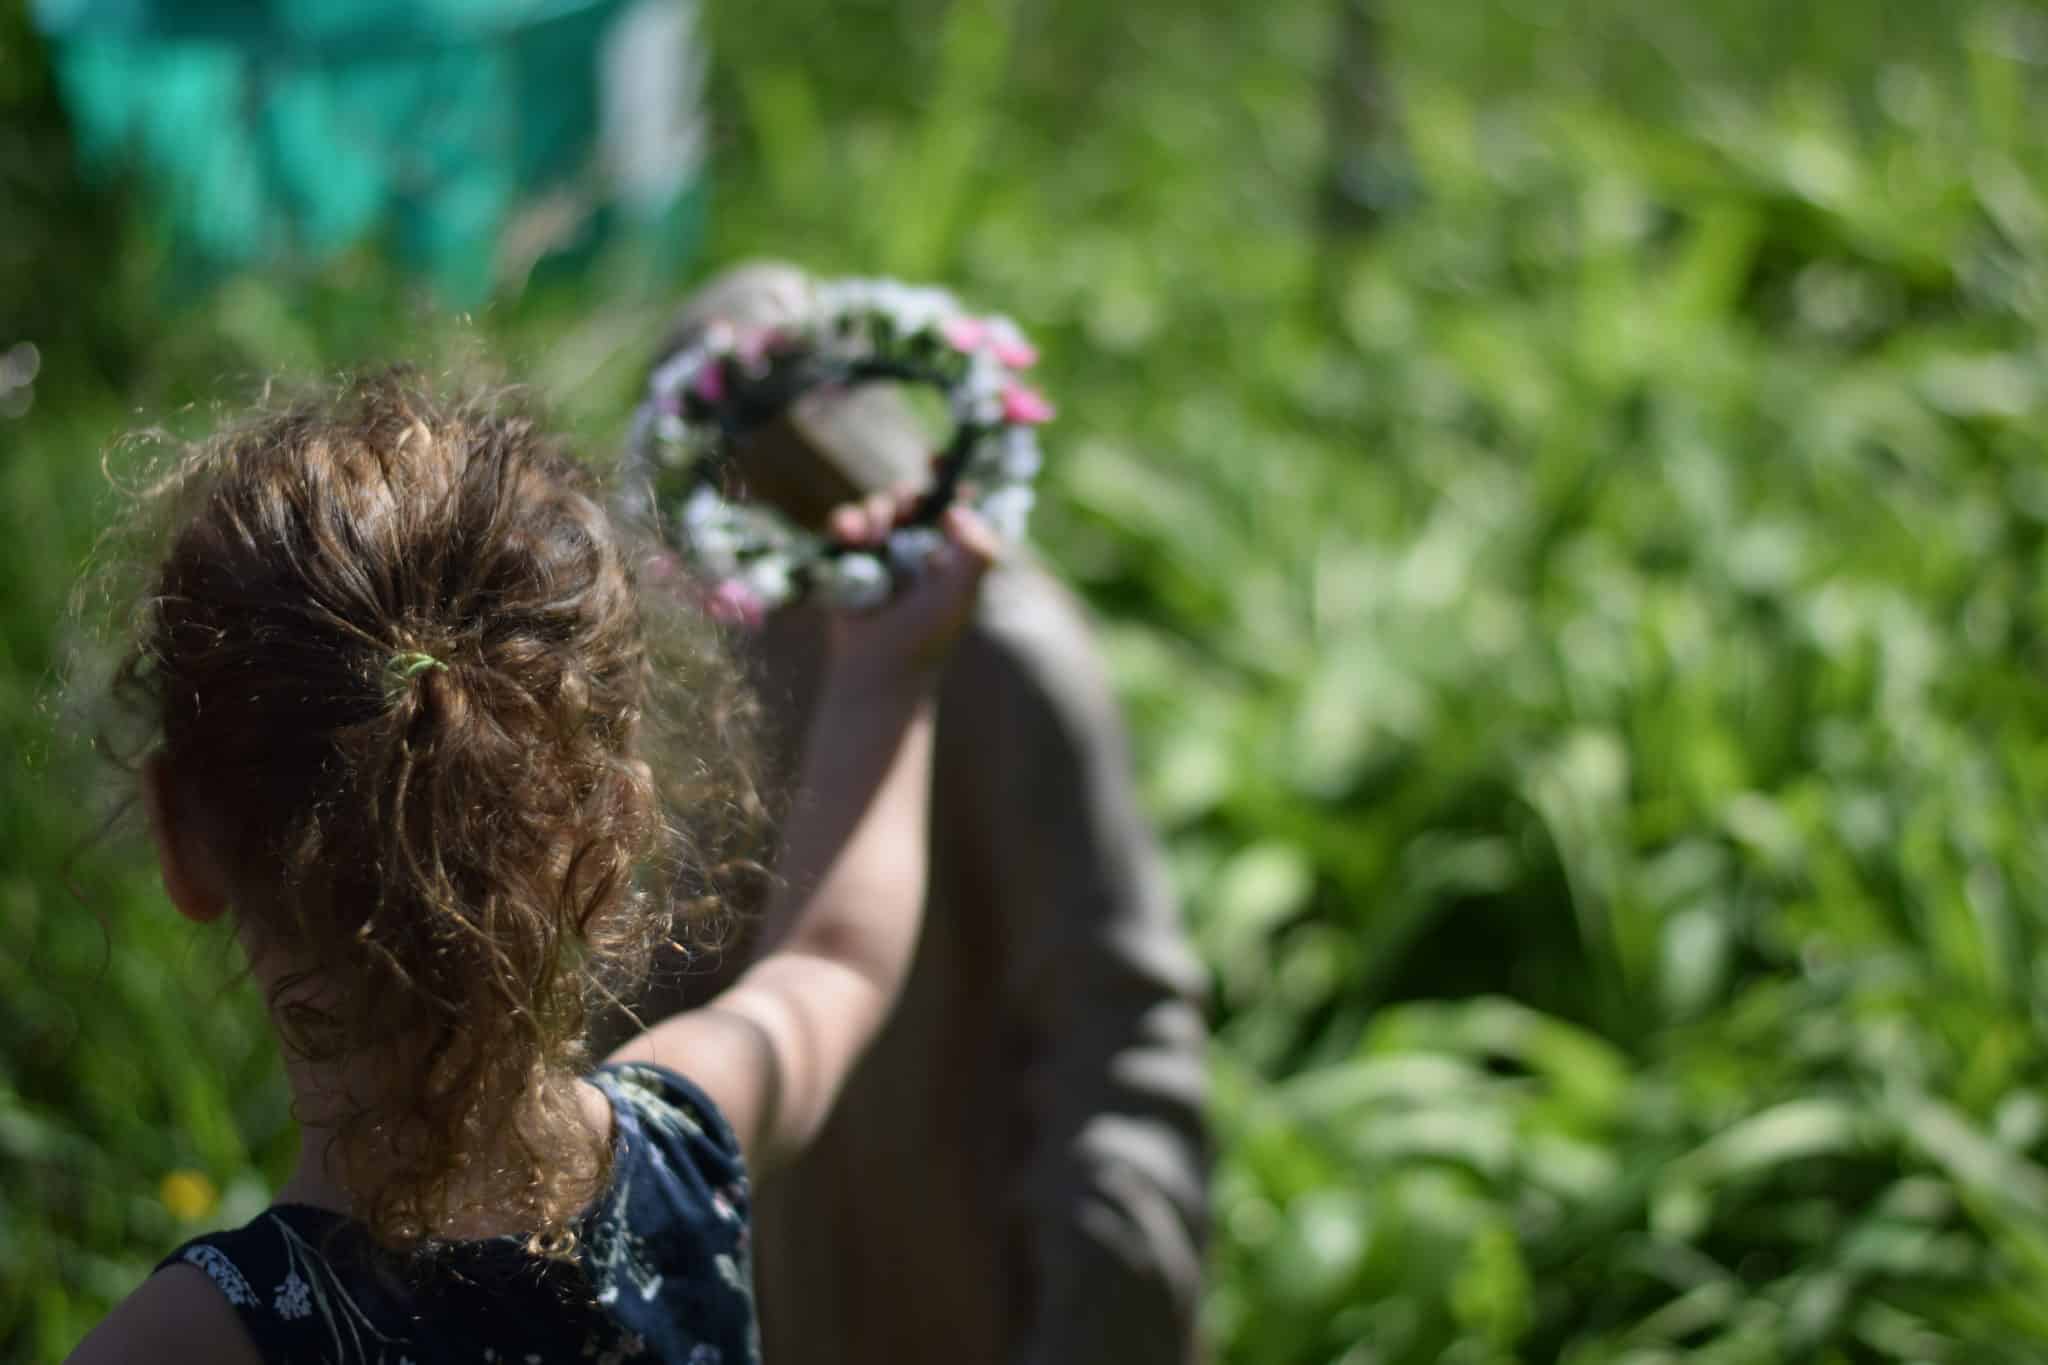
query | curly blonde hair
(461,855)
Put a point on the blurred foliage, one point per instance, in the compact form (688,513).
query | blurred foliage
(1585,638)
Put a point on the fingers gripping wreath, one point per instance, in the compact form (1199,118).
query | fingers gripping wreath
(704,402)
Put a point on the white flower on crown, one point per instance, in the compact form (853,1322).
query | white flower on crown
(716,548)
(1019,459)
(854,582)
(980,395)
(769,579)
(1007,510)
(926,308)
(703,507)
(720,338)
(671,373)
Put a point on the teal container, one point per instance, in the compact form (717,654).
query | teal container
(477,139)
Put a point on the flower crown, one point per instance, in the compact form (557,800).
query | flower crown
(733,379)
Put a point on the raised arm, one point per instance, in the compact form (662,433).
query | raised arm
(773,1050)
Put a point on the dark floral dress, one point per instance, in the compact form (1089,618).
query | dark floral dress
(662,1273)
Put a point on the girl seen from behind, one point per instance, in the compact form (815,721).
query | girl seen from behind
(415,730)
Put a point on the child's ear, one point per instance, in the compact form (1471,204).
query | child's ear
(192,876)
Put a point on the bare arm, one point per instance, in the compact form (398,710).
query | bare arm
(773,1050)
(175,1316)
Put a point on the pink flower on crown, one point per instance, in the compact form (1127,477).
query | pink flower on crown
(1025,406)
(964,333)
(709,382)
(1009,345)
(754,343)
(733,603)
(1018,355)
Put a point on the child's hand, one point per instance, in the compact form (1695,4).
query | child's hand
(905,641)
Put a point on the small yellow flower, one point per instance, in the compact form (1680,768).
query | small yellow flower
(189,1195)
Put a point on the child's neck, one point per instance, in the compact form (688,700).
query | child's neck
(326,1094)
(318,1182)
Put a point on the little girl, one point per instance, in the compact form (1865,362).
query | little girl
(406,700)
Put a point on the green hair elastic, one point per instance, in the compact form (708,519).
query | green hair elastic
(406,666)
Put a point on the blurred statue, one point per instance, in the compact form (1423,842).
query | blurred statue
(1016,1172)
(473,137)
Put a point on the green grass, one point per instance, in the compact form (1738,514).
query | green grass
(1586,639)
